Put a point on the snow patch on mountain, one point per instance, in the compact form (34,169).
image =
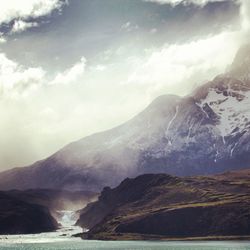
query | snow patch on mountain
(170,123)
(233,113)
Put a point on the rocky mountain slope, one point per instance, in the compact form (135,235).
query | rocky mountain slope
(158,206)
(205,132)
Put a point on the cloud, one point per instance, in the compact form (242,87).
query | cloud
(16,9)
(176,68)
(2,38)
(129,27)
(18,13)
(245,15)
(16,80)
(70,75)
(36,109)
(20,25)
(185,2)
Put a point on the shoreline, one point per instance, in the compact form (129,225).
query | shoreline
(143,237)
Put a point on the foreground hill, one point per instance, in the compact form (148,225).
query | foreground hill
(203,133)
(21,217)
(155,206)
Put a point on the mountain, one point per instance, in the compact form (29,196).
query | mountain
(160,206)
(205,132)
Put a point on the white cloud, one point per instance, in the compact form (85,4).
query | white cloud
(128,26)
(37,110)
(99,67)
(16,9)
(245,15)
(176,2)
(2,38)
(70,75)
(174,68)
(16,80)
(21,11)
(20,25)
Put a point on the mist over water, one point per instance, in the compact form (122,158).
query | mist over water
(68,218)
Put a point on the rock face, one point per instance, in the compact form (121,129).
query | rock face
(160,206)
(20,217)
(205,132)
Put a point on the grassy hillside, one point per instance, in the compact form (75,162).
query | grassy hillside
(161,206)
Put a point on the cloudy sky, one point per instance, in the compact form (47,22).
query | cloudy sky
(70,68)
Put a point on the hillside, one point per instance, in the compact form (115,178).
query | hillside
(21,217)
(161,206)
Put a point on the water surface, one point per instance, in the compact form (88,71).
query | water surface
(62,240)
(77,244)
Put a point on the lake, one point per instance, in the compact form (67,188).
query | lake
(77,244)
(62,240)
